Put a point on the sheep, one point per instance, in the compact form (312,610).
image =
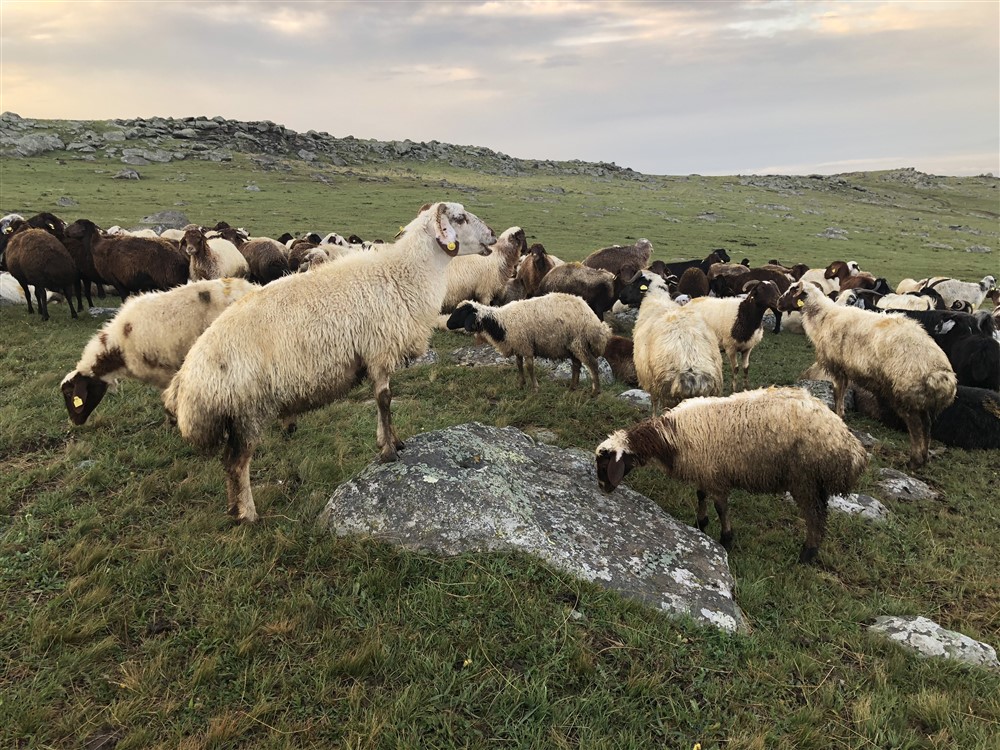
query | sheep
(725,269)
(595,286)
(266,259)
(530,272)
(925,299)
(146,340)
(972,422)
(136,264)
(212,257)
(484,278)
(172,234)
(694,283)
(36,257)
(738,324)
(952,290)
(619,352)
(887,354)
(767,440)
(554,326)
(677,268)
(818,276)
(78,240)
(307,339)
(624,261)
(734,285)
(676,354)
(5,232)
(968,343)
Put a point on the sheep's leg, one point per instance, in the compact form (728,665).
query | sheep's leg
(746,371)
(68,292)
(702,510)
(722,509)
(919,440)
(839,392)
(595,376)
(43,306)
(734,370)
(385,435)
(531,372)
(812,506)
(27,296)
(236,462)
(574,380)
(777,320)
(520,371)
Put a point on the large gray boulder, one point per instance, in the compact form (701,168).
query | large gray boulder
(475,487)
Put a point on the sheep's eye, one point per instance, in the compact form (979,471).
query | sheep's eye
(460,219)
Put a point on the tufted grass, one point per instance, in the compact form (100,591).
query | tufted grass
(133,613)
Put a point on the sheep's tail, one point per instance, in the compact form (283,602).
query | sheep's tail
(941,388)
(692,383)
(198,423)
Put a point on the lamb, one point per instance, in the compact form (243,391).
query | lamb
(484,278)
(147,340)
(768,440)
(36,257)
(596,287)
(888,354)
(307,339)
(676,354)
(624,261)
(212,257)
(620,353)
(738,324)
(556,326)
(952,290)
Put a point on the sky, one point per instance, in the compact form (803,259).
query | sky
(764,87)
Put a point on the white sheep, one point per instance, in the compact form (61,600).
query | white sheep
(953,290)
(768,440)
(905,302)
(818,276)
(890,355)
(212,257)
(676,353)
(307,339)
(556,326)
(738,323)
(484,278)
(147,340)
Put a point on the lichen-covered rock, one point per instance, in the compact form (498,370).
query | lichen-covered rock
(896,485)
(562,370)
(475,487)
(856,504)
(637,397)
(479,356)
(928,638)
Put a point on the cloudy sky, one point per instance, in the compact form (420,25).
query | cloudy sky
(663,87)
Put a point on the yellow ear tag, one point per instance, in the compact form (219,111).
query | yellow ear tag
(800,303)
(451,246)
(643,288)
(77,402)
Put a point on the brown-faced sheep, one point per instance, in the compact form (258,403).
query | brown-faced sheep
(624,261)
(78,239)
(307,339)
(212,257)
(768,440)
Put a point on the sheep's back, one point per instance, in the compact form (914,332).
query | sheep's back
(41,259)
(669,344)
(547,326)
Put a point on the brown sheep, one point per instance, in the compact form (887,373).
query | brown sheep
(36,257)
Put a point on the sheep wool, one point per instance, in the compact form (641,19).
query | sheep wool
(307,339)
(147,340)
(484,278)
(556,326)
(889,355)
(767,440)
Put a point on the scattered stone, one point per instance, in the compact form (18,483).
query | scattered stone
(832,233)
(306,155)
(479,356)
(823,390)
(637,397)
(252,189)
(113,136)
(83,465)
(867,439)
(135,161)
(34,144)
(563,370)
(166,220)
(475,487)
(102,312)
(856,504)
(896,485)
(126,174)
(186,133)
(927,638)
(430,357)
(66,202)
(978,249)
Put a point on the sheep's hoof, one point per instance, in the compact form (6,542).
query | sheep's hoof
(808,554)
(249,516)
(726,540)
(388,456)
(702,523)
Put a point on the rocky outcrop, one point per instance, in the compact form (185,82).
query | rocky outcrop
(478,488)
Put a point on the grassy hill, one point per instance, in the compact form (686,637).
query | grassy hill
(135,615)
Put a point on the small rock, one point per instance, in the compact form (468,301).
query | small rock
(66,201)
(430,357)
(823,390)
(833,233)
(113,136)
(83,465)
(927,638)
(306,155)
(252,189)
(978,249)
(126,174)
(563,370)
(896,485)
(548,437)
(855,504)
(637,397)
(186,133)
(866,439)
(101,312)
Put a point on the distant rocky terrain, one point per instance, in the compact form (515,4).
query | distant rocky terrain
(140,141)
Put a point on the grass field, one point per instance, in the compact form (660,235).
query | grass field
(135,615)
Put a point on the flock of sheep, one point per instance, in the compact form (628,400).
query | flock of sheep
(239,332)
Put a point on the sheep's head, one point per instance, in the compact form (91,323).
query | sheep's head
(82,394)
(50,223)
(988,283)
(718,255)
(456,231)
(639,285)
(796,295)
(764,293)
(81,229)
(837,270)
(614,460)
(193,241)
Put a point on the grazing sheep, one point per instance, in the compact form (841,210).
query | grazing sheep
(265,258)
(676,354)
(620,354)
(888,354)
(212,257)
(484,278)
(768,440)
(624,261)
(37,257)
(738,324)
(555,326)
(694,283)
(596,287)
(307,339)
(147,340)
(136,264)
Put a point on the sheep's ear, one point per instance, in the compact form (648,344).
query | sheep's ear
(424,208)
(750,285)
(444,233)
(616,469)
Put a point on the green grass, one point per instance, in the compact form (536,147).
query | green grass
(133,611)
